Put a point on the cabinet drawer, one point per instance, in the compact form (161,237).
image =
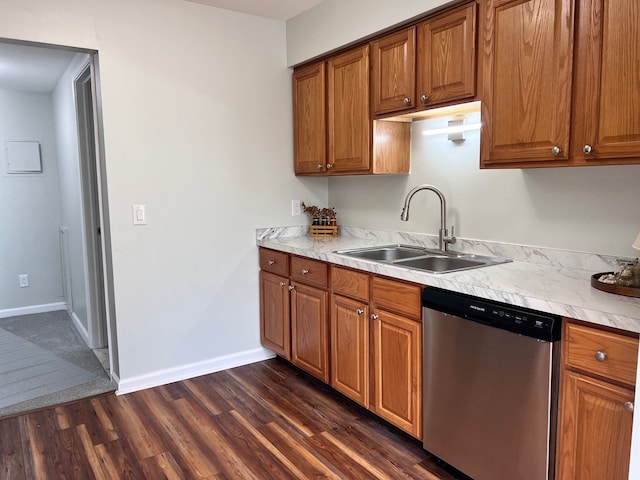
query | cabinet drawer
(398,297)
(350,283)
(311,272)
(609,354)
(274,262)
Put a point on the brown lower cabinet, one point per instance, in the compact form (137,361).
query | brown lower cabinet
(293,310)
(376,345)
(356,331)
(596,406)
(309,330)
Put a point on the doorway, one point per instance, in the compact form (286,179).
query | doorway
(81,238)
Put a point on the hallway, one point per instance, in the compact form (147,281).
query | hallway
(45,362)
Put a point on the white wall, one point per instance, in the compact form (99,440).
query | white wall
(29,206)
(334,23)
(198,126)
(70,184)
(591,209)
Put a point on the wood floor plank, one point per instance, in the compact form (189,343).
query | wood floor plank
(90,454)
(254,455)
(344,463)
(144,442)
(182,440)
(162,467)
(116,461)
(193,414)
(293,448)
(104,420)
(262,421)
(209,399)
(268,445)
(11,453)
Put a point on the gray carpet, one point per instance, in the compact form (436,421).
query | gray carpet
(44,362)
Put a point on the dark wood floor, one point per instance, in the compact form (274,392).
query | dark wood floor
(260,421)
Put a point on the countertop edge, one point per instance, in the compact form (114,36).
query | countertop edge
(540,288)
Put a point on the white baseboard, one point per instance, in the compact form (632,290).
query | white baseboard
(162,377)
(80,327)
(48,307)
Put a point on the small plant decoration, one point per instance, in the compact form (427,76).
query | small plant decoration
(320,216)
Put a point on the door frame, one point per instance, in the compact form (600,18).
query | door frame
(95,221)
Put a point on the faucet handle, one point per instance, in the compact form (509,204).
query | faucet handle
(451,238)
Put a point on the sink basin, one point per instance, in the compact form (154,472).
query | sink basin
(420,258)
(387,253)
(442,264)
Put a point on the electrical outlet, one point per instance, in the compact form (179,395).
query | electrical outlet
(296,208)
(24,280)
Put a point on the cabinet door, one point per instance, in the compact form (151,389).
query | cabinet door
(274,314)
(309,119)
(309,330)
(447,57)
(349,124)
(393,65)
(397,367)
(350,348)
(526,82)
(594,431)
(607,82)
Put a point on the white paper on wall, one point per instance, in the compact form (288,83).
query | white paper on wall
(23,157)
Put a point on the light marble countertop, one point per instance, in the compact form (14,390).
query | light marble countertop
(548,280)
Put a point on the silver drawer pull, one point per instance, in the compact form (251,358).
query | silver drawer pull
(628,406)
(600,356)
(271,262)
(282,284)
(359,311)
(374,316)
(305,271)
(290,288)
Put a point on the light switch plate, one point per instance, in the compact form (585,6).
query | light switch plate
(296,208)
(139,215)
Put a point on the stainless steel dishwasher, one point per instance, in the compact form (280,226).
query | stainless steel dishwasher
(490,386)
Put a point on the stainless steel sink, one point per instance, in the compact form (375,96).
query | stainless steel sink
(442,264)
(386,253)
(420,258)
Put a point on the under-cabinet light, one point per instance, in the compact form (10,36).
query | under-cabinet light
(452,129)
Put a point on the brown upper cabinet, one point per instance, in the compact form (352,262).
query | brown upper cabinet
(560,83)
(429,64)
(310,116)
(349,125)
(334,133)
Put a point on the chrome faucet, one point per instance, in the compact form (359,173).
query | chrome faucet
(443,235)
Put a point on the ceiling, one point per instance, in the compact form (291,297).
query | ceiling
(38,69)
(32,69)
(276,9)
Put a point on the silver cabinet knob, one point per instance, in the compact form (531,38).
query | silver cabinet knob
(271,262)
(600,356)
(304,271)
(359,311)
(556,151)
(407,101)
(329,165)
(282,284)
(374,316)
(291,288)
(628,406)
(424,98)
(587,149)
(319,166)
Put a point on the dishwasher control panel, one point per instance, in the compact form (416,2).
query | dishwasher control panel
(513,318)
